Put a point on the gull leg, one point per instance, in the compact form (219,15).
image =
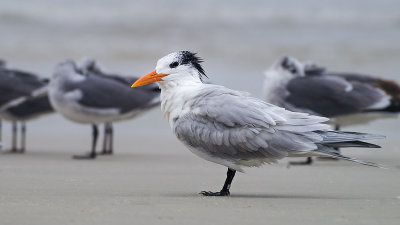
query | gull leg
(105,139)
(227,185)
(111,139)
(108,139)
(14,137)
(23,137)
(92,154)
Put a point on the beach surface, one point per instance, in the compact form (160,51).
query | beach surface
(162,186)
(152,178)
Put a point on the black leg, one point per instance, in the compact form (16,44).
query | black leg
(14,137)
(105,139)
(227,185)
(23,137)
(308,161)
(108,139)
(111,139)
(92,154)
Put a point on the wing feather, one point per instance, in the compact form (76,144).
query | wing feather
(235,126)
(330,95)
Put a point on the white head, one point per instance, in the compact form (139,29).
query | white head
(68,68)
(87,64)
(279,74)
(65,68)
(288,65)
(175,67)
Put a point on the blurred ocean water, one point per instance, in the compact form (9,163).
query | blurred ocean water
(238,39)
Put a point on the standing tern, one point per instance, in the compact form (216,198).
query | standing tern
(84,94)
(348,98)
(23,96)
(233,129)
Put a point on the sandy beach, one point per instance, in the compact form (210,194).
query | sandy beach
(48,187)
(152,178)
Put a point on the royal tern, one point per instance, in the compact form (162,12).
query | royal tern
(23,96)
(348,98)
(233,129)
(84,94)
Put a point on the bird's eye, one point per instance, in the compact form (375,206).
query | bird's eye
(173,65)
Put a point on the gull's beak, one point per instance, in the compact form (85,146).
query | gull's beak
(149,78)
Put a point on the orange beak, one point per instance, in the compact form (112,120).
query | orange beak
(149,78)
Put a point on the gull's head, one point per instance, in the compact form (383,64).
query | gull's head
(177,66)
(288,66)
(66,69)
(87,64)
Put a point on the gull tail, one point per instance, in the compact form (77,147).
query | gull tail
(327,151)
(342,139)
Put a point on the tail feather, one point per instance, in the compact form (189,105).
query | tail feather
(347,144)
(340,139)
(345,136)
(327,151)
(394,107)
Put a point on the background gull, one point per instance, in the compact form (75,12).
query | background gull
(233,129)
(85,94)
(348,98)
(23,96)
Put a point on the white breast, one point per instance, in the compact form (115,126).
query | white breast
(177,99)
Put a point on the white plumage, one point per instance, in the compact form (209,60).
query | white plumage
(232,128)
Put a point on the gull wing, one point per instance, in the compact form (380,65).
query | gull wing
(332,96)
(109,93)
(231,125)
(18,85)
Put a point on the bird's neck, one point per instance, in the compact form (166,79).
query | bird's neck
(177,97)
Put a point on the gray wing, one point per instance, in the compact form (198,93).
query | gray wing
(389,87)
(333,96)
(16,84)
(32,107)
(354,77)
(107,92)
(229,125)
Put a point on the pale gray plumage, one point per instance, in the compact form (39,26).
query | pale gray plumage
(236,127)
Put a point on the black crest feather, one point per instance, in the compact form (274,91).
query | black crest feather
(187,57)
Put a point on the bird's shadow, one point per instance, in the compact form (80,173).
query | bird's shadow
(266,196)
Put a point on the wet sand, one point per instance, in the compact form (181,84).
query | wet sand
(161,186)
